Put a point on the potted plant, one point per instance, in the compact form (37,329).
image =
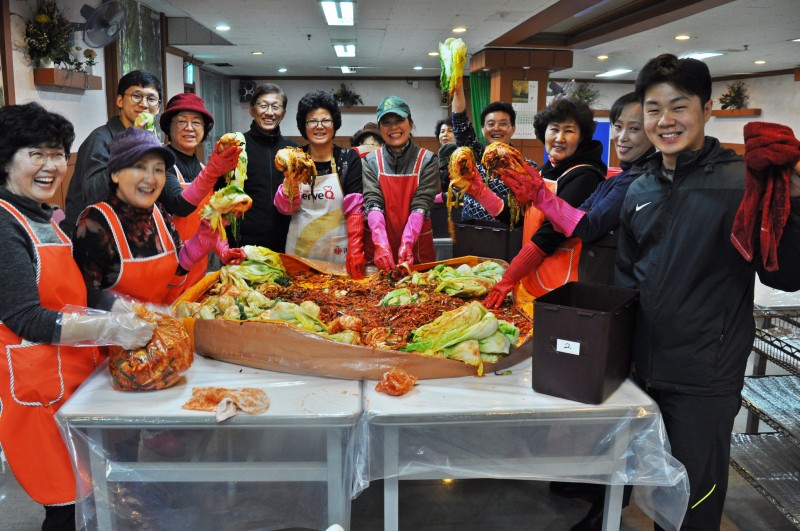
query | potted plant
(49,36)
(584,92)
(345,96)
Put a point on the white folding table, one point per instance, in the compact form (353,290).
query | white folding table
(498,427)
(300,441)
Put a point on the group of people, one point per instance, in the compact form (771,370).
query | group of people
(133,232)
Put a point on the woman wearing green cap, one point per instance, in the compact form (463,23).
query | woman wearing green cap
(400,181)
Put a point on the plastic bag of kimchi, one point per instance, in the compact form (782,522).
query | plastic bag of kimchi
(157,365)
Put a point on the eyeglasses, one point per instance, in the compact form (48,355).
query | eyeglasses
(276,107)
(497,125)
(137,97)
(325,122)
(194,124)
(39,158)
(391,123)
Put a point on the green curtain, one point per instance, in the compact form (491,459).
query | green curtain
(479,94)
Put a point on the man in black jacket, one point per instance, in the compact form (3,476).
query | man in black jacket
(695,327)
(263,224)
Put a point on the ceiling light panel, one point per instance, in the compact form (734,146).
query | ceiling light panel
(338,13)
(345,50)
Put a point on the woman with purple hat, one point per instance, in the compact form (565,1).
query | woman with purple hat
(46,332)
(187,123)
(128,243)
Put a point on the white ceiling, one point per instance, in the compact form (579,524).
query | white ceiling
(393,36)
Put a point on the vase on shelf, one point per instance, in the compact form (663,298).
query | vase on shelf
(45,62)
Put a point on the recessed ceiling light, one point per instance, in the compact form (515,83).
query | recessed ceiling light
(223,27)
(348,70)
(701,55)
(682,37)
(459,29)
(345,50)
(417,67)
(258,53)
(282,70)
(338,13)
(433,54)
(602,57)
(795,40)
(760,62)
(612,73)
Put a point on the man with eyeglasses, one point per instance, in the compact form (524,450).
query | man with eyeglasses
(137,91)
(498,124)
(263,224)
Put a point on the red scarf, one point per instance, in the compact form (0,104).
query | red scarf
(770,153)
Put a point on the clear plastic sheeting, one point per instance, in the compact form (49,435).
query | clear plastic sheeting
(498,427)
(143,462)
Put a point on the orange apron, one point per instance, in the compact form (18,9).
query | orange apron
(150,279)
(35,379)
(398,191)
(187,227)
(558,268)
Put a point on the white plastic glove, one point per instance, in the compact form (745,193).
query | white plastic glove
(95,327)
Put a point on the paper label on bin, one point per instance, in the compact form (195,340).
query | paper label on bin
(568,347)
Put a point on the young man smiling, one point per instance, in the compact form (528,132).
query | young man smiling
(137,91)
(694,327)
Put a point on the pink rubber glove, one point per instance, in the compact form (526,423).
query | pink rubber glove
(218,165)
(198,246)
(529,258)
(483,195)
(282,203)
(410,234)
(439,198)
(383,252)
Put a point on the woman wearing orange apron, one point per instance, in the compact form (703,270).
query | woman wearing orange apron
(327,220)
(127,244)
(573,170)
(42,366)
(400,183)
(187,123)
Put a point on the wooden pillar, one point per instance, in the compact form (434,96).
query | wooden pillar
(505,66)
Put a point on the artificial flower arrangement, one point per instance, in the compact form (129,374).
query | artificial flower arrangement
(49,35)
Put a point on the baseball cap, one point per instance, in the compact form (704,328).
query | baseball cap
(393,105)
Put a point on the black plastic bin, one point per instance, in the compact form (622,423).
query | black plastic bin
(488,241)
(582,340)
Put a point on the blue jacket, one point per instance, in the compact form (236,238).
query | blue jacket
(598,228)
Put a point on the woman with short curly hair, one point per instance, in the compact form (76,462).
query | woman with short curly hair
(573,169)
(327,218)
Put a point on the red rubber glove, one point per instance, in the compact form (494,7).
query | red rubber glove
(525,187)
(484,196)
(282,203)
(528,259)
(218,165)
(410,234)
(198,246)
(383,252)
(356,262)
(563,216)
(228,255)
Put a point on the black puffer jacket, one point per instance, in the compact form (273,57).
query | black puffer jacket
(263,224)
(694,328)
